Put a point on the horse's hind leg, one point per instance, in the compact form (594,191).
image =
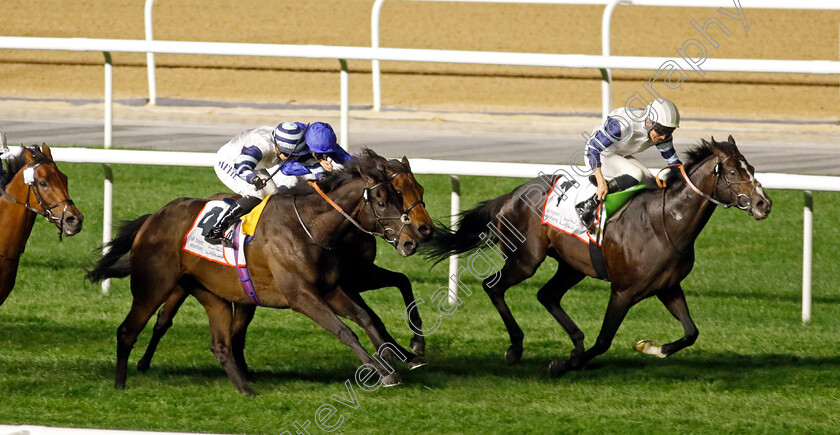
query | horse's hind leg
(620,302)
(550,295)
(243,314)
(163,323)
(147,297)
(511,274)
(674,301)
(220,314)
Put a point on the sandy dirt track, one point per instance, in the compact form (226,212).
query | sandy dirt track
(653,31)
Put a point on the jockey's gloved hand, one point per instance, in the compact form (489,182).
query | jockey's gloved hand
(259,183)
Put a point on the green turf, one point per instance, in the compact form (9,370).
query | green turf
(754,369)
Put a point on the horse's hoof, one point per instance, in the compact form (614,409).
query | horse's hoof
(248,391)
(391,380)
(648,347)
(416,363)
(513,355)
(418,345)
(143,365)
(558,368)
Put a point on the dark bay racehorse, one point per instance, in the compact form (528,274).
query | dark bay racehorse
(359,273)
(291,261)
(648,249)
(44,194)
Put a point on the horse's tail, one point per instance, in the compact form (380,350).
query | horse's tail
(472,224)
(114,264)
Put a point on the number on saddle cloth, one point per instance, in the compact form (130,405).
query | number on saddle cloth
(213,215)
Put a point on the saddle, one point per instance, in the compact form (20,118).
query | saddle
(611,207)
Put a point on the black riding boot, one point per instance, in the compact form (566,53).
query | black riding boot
(586,209)
(240,208)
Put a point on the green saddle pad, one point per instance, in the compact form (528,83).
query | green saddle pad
(614,201)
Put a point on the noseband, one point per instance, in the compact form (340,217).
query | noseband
(46,211)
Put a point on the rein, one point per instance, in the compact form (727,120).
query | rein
(404,218)
(45,211)
(718,176)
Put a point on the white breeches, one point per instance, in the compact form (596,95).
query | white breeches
(613,165)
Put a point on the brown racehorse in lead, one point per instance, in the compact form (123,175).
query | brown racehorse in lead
(648,248)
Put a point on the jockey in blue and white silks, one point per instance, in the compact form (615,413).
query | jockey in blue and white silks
(244,162)
(610,149)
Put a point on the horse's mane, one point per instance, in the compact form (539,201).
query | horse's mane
(365,162)
(698,153)
(14,165)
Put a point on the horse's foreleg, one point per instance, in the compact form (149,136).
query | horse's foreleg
(378,277)
(674,301)
(8,274)
(163,323)
(220,314)
(550,295)
(242,316)
(361,313)
(617,309)
(309,303)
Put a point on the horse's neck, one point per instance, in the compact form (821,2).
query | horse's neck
(329,223)
(16,221)
(687,212)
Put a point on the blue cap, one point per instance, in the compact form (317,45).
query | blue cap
(320,138)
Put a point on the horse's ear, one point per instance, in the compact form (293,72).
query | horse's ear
(27,154)
(46,150)
(731,140)
(405,162)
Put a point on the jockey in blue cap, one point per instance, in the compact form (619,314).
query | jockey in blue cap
(243,165)
(320,138)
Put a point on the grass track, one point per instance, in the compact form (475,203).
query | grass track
(754,369)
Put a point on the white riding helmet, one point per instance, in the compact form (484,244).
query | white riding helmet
(664,113)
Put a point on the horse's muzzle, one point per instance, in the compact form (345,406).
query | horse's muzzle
(761,205)
(71,224)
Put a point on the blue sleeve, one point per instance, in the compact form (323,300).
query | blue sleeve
(604,137)
(293,167)
(666,149)
(341,156)
(246,162)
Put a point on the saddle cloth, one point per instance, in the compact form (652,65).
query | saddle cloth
(559,208)
(194,241)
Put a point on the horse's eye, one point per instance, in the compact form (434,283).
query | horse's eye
(42,183)
(733,172)
(381,204)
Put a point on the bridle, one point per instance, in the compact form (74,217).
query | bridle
(717,172)
(743,205)
(366,195)
(46,210)
(415,203)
